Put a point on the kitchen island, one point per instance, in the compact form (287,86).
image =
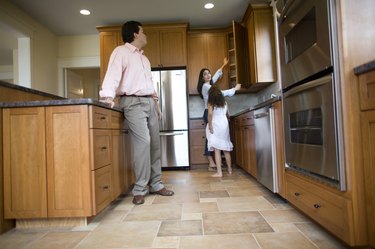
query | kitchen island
(62,160)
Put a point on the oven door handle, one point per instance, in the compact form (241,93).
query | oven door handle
(308,85)
(261,115)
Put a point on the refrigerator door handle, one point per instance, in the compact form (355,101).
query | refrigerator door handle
(171,133)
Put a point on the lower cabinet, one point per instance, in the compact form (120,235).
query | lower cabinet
(197,137)
(244,144)
(62,161)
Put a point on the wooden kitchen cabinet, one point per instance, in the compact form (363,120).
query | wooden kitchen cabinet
(245,143)
(206,49)
(197,138)
(78,161)
(258,21)
(367,103)
(166,45)
(25,182)
(110,38)
(238,56)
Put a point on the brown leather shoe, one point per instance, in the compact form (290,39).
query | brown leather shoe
(138,199)
(164,192)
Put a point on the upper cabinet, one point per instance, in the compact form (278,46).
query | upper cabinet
(261,41)
(238,56)
(110,38)
(206,49)
(166,45)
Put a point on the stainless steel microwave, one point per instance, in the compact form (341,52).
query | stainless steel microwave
(304,37)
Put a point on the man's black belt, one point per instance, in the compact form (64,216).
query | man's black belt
(133,95)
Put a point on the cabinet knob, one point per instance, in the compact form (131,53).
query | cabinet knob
(317,205)
(103,118)
(103,148)
(105,187)
(297,194)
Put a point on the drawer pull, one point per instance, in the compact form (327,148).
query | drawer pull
(103,148)
(105,187)
(297,194)
(102,118)
(317,205)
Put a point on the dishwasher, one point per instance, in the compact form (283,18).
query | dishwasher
(265,147)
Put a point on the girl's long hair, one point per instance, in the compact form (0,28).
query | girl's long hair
(216,97)
(201,81)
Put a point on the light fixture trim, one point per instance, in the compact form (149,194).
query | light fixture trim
(209,6)
(85,12)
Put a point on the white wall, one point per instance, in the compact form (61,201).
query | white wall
(43,46)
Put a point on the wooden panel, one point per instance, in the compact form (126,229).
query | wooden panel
(367,90)
(197,155)
(216,51)
(368,137)
(246,119)
(173,47)
(118,163)
(195,124)
(152,49)
(103,188)
(99,117)
(109,40)
(24,163)
(68,162)
(197,59)
(197,137)
(330,210)
(117,120)
(101,147)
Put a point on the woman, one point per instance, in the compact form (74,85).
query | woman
(205,81)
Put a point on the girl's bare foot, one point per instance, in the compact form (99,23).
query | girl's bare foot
(212,167)
(230,170)
(217,175)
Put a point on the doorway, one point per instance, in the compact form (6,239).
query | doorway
(82,83)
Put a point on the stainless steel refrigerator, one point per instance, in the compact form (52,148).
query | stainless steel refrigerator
(173,101)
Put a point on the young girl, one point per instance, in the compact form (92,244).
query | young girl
(205,81)
(217,130)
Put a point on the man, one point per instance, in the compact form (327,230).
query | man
(129,76)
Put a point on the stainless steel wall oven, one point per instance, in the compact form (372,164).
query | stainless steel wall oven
(312,119)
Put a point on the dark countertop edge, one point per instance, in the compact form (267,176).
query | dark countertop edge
(57,102)
(258,106)
(25,89)
(364,68)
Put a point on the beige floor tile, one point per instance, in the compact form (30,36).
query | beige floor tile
(121,235)
(284,227)
(293,240)
(58,240)
(166,242)
(191,216)
(214,194)
(208,207)
(155,212)
(234,223)
(244,191)
(177,198)
(250,203)
(180,228)
(288,215)
(241,241)
(19,238)
(320,237)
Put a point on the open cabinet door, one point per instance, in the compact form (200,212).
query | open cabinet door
(241,54)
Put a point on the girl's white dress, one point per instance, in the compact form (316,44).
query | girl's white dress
(220,139)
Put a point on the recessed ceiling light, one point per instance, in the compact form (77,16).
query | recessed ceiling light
(209,6)
(85,12)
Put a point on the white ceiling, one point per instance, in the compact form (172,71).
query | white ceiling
(62,17)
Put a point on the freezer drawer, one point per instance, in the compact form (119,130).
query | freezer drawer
(174,149)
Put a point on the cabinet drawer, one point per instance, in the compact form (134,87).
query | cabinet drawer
(196,155)
(197,124)
(117,120)
(327,208)
(99,117)
(246,119)
(367,90)
(197,137)
(101,148)
(102,188)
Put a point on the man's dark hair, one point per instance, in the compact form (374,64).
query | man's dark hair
(128,30)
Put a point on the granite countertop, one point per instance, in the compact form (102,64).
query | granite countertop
(57,102)
(369,66)
(258,106)
(25,89)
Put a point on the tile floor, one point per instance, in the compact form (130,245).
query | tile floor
(205,212)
